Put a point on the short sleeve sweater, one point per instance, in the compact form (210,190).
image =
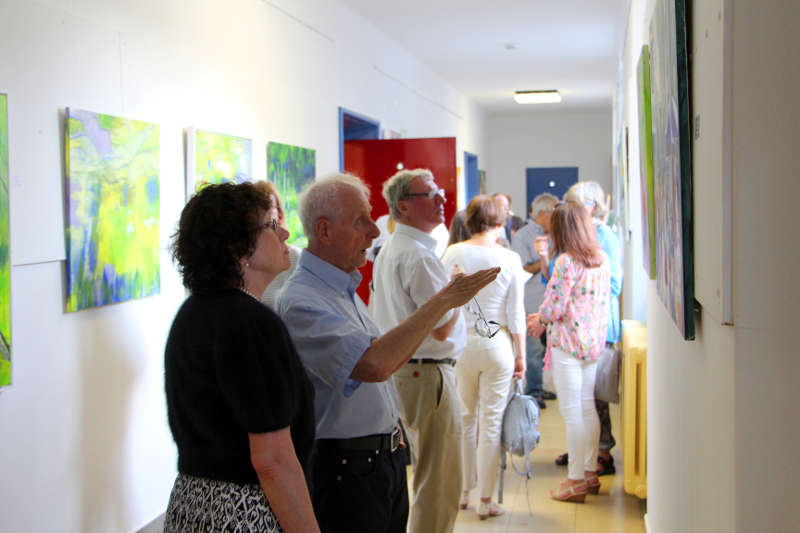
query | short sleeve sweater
(231,369)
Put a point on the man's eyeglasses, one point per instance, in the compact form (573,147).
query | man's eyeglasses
(430,195)
(483,327)
(272,224)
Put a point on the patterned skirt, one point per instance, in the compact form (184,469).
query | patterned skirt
(198,504)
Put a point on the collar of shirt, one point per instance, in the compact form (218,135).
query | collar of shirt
(420,236)
(335,277)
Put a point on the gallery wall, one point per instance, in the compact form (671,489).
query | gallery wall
(86,446)
(547,138)
(721,429)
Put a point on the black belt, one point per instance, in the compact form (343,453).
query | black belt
(379,443)
(445,361)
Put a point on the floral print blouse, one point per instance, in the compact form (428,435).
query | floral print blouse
(576,305)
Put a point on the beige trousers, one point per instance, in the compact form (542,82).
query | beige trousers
(430,411)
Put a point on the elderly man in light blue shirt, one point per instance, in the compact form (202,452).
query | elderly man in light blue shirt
(523,243)
(358,479)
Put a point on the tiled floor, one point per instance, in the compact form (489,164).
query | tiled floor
(612,511)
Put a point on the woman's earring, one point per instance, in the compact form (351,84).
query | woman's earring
(247,265)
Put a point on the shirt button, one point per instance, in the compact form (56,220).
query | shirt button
(369,459)
(344,461)
(338,478)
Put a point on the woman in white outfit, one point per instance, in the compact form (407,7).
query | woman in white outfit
(495,350)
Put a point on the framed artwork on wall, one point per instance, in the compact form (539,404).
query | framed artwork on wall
(481,182)
(5,261)
(291,168)
(646,163)
(112,208)
(216,158)
(672,165)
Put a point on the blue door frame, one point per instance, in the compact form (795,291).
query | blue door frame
(471,180)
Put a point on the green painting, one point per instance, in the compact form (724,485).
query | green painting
(112,209)
(646,164)
(5,262)
(291,168)
(216,158)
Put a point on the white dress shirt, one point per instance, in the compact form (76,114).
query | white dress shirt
(407,273)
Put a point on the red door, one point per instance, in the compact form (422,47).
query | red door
(376,161)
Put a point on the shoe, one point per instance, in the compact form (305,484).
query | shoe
(547,395)
(570,493)
(605,466)
(540,402)
(592,485)
(487,509)
(464,502)
(562,460)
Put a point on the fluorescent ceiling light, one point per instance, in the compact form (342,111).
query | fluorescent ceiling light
(537,97)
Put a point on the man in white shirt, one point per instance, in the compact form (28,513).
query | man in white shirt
(407,273)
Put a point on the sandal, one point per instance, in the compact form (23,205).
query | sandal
(464,502)
(605,466)
(562,460)
(487,509)
(592,485)
(570,493)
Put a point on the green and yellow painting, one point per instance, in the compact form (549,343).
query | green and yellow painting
(291,168)
(112,209)
(5,262)
(216,158)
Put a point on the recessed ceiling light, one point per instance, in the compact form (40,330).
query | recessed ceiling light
(537,97)
(510,46)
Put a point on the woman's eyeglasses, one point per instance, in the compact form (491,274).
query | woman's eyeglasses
(430,195)
(484,327)
(272,224)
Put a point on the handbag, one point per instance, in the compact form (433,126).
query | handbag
(606,385)
(520,432)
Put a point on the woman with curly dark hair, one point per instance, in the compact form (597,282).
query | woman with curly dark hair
(240,405)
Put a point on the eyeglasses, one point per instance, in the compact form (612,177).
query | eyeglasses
(430,195)
(272,224)
(484,327)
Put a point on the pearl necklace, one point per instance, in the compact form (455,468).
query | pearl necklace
(249,293)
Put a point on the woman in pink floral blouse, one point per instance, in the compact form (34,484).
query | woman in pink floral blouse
(575,311)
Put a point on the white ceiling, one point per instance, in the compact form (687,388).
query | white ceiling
(569,45)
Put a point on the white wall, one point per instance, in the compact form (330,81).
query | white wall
(547,139)
(85,445)
(721,423)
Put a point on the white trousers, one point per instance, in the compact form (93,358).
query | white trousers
(484,373)
(574,381)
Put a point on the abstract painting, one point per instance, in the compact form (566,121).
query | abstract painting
(5,263)
(216,158)
(291,168)
(646,164)
(481,182)
(672,168)
(112,209)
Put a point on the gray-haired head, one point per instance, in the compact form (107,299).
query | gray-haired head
(398,187)
(543,202)
(319,200)
(591,195)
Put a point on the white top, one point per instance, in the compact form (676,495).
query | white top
(503,300)
(270,296)
(406,274)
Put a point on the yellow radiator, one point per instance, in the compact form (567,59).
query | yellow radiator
(634,407)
